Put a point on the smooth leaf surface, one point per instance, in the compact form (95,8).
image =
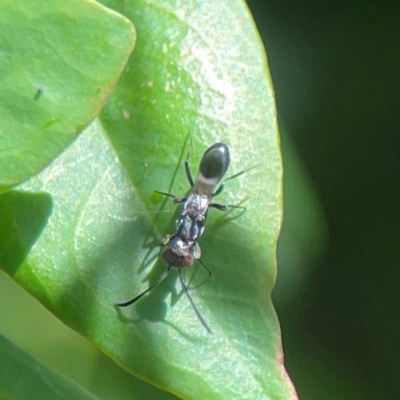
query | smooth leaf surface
(198,68)
(59,61)
(23,378)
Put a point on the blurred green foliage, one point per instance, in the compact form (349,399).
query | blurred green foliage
(22,377)
(335,67)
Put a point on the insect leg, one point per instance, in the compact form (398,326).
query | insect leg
(177,200)
(192,302)
(168,238)
(187,167)
(225,207)
(222,185)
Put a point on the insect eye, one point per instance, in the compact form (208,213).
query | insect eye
(215,161)
(168,256)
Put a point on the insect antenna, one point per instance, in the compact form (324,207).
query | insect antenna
(135,299)
(192,302)
(204,265)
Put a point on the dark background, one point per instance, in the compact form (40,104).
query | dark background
(336,72)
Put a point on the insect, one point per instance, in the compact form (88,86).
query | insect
(183,250)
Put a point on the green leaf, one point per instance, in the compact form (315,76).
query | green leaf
(59,61)
(22,377)
(195,71)
(23,216)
